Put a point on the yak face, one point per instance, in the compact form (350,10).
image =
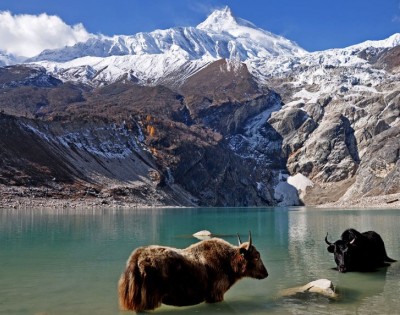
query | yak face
(248,262)
(344,253)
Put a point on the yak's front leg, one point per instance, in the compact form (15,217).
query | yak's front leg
(215,297)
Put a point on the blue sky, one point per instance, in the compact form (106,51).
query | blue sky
(313,24)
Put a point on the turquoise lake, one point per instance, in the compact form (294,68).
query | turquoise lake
(69,261)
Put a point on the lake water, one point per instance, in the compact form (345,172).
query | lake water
(69,261)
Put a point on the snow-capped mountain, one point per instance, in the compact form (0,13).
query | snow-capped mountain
(268,109)
(172,55)
(7,59)
(151,56)
(221,35)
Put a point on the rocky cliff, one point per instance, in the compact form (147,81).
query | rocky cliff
(130,143)
(203,116)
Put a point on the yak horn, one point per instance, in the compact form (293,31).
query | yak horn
(326,240)
(250,241)
(239,240)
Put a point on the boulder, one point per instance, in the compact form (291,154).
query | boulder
(321,286)
(203,235)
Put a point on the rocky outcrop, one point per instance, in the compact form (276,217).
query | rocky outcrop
(379,170)
(389,60)
(217,136)
(93,160)
(335,109)
(124,142)
(332,154)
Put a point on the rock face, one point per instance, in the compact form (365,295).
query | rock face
(127,142)
(342,136)
(223,114)
(379,170)
(93,160)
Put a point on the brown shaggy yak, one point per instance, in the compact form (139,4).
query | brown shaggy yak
(201,272)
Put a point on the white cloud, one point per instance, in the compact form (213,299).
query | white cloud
(28,35)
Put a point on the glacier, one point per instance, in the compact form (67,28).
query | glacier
(148,57)
(171,56)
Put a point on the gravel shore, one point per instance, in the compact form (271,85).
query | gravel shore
(18,197)
(382,202)
(23,202)
(386,201)
(14,199)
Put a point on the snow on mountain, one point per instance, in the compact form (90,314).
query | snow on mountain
(348,57)
(221,35)
(7,59)
(389,42)
(172,55)
(177,53)
(330,73)
(151,56)
(328,105)
(249,40)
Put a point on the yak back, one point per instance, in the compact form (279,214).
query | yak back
(368,248)
(187,276)
(216,253)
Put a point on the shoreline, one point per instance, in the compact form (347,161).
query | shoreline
(65,203)
(391,201)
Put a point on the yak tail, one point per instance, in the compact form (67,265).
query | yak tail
(129,286)
(135,291)
(388,259)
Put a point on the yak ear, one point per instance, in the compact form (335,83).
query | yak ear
(331,248)
(239,262)
(242,250)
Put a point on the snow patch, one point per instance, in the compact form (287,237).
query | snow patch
(285,193)
(300,182)
(96,141)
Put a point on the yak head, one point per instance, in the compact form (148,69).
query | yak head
(247,262)
(343,252)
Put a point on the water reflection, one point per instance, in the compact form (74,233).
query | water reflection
(360,293)
(68,261)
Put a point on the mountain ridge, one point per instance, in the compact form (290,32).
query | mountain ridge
(216,117)
(197,41)
(176,53)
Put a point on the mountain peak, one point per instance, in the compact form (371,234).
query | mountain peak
(219,20)
(389,42)
(249,39)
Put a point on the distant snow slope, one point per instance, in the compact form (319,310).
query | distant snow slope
(7,59)
(328,110)
(221,35)
(148,57)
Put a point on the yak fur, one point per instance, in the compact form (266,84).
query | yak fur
(201,272)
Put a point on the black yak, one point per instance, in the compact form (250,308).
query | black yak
(201,272)
(357,251)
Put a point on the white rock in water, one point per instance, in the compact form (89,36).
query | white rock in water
(321,286)
(203,235)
